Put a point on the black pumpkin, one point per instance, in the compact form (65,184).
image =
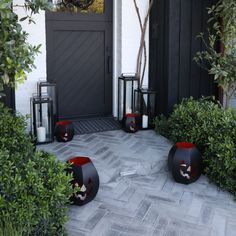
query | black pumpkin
(64,131)
(184,161)
(131,123)
(86,177)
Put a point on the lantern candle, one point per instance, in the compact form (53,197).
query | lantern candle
(145,105)
(41,134)
(42,119)
(45,124)
(128,110)
(144,121)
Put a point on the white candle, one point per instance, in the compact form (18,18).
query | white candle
(45,124)
(144,121)
(128,110)
(41,134)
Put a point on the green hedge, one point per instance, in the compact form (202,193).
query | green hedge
(7,227)
(34,187)
(213,129)
(13,135)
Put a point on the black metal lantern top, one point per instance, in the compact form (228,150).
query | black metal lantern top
(46,84)
(42,119)
(126,86)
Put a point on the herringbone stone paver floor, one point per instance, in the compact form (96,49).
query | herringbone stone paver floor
(148,202)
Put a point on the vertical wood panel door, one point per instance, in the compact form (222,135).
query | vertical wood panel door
(79,60)
(174,26)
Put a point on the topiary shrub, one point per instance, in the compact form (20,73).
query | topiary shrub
(213,129)
(195,121)
(34,187)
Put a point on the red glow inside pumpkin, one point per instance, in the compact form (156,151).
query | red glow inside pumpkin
(131,115)
(79,161)
(185,145)
(64,122)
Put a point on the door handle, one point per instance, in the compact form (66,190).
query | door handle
(109,65)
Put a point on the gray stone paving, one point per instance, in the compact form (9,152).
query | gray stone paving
(148,202)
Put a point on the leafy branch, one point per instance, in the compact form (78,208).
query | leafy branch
(219,56)
(16,54)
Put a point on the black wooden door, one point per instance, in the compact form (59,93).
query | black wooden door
(79,60)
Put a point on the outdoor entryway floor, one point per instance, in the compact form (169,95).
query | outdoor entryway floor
(148,202)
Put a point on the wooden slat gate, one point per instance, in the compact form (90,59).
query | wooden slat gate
(79,60)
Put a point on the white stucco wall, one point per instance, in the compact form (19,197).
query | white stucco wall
(117,52)
(131,34)
(126,37)
(232,101)
(36,37)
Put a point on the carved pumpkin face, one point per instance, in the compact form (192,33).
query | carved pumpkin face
(84,191)
(81,195)
(65,134)
(132,126)
(185,170)
(131,123)
(64,131)
(188,171)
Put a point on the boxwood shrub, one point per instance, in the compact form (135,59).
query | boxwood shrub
(13,135)
(34,187)
(213,129)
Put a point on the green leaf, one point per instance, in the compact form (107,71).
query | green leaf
(24,18)
(5,78)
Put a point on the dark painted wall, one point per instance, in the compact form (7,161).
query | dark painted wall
(174,25)
(9,99)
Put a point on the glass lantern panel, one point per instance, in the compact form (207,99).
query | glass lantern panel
(80,6)
(43,122)
(129,97)
(145,103)
(121,99)
(152,102)
(136,102)
(49,90)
